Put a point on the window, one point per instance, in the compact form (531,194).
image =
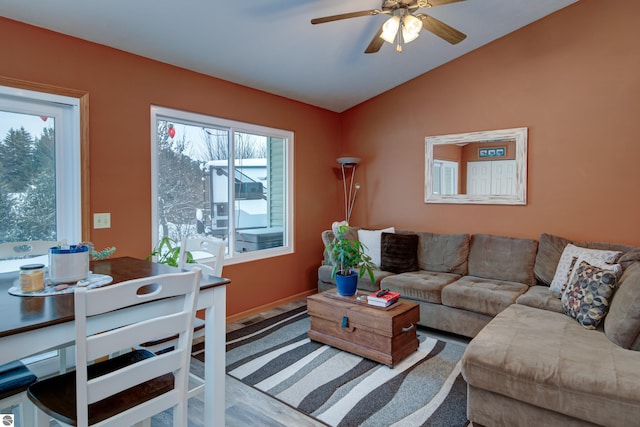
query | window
(42,147)
(445,177)
(40,158)
(222,178)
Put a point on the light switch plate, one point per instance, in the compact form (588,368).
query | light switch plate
(101,220)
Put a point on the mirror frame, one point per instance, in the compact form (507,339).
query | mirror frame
(493,136)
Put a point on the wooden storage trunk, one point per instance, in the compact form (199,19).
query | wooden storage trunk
(386,335)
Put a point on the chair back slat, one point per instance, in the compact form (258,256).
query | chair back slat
(132,375)
(144,411)
(139,332)
(134,292)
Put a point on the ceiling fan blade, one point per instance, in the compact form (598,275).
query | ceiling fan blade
(345,16)
(376,43)
(441,29)
(435,3)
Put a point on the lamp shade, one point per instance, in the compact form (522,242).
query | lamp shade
(346,161)
(390,29)
(411,27)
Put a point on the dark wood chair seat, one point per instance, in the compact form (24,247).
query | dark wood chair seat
(56,396)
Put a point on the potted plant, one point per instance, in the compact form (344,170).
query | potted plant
(350,262)
(168,252)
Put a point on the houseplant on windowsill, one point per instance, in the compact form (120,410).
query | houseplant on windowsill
(349,260)
(168,252)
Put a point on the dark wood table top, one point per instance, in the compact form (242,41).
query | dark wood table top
(19,314)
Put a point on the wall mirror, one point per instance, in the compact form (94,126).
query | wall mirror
(487,168)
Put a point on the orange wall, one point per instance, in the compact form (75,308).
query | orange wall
(572,78)
(121,89)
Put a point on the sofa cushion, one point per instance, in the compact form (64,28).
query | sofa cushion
(548,360)
(480,295)
(566,263)
(372,240)
(446,253)
(539,297)
(586,298)
(399,252)
(622,324)
(550,250)
(420,285)
(503,258)
(607,246)
(629,258)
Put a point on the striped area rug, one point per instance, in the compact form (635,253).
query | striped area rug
(342,389)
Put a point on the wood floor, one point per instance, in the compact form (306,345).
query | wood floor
(245,406)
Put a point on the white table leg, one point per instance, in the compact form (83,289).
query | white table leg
(214,359)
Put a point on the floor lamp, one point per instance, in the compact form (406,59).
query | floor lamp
(350,196)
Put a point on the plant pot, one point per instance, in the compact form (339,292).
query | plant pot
(347,284)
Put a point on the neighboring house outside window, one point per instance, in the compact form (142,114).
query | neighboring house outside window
(225,179)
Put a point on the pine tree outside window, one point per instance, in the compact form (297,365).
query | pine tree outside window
(40,195)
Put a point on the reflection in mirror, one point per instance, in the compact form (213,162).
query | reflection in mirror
(479,167)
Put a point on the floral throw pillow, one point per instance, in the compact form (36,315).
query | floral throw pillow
(563,270)
(587,297)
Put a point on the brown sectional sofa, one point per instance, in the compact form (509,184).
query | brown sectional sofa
(528,362)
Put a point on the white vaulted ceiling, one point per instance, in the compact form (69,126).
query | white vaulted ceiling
(271,45)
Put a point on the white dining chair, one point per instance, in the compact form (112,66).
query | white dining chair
(213,251)
(206,251)
(130,388)
(210,259)
(15,378)
(27,249)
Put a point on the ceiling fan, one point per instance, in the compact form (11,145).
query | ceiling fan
(404,25)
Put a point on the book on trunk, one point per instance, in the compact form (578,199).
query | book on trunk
(383,298)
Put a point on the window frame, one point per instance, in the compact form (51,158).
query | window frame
(72,163)
(441,167)
(47,363)
(169,114)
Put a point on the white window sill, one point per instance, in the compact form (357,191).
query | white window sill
(8,266)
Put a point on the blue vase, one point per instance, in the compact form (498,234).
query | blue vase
(347,285)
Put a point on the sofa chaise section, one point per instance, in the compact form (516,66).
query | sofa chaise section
(555,369)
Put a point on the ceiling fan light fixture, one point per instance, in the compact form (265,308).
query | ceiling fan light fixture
(411,27)
(390,29)
(408,37)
